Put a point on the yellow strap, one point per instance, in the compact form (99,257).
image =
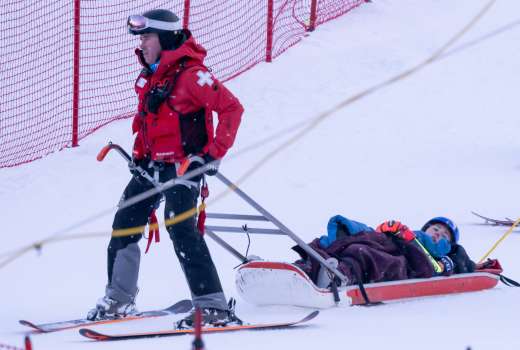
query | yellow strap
(500,240)
(434,262)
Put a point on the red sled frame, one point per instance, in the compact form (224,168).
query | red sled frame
(257,280)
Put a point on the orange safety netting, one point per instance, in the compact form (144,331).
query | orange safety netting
(41,53)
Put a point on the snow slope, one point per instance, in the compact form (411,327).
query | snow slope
(441,142)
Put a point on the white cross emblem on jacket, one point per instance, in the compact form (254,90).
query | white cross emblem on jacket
(204,78)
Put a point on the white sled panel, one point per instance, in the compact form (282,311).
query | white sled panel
(278,283)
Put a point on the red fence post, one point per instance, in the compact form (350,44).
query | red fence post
(76,61)
(27,343)
(270,24)
(312,24)
(186,18)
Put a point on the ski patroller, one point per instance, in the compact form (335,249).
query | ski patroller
(176,332)
(182,306)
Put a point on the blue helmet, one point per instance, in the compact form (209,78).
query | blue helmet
(454,230)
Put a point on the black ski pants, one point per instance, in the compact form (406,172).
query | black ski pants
(189,245)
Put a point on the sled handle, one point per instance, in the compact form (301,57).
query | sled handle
(103,153)
(112,146)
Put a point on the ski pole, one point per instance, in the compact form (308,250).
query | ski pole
(500,240)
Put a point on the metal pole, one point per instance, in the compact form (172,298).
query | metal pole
(186,18)
(270,25)
(312,24)
(225,245)
(76,62)
(281,226)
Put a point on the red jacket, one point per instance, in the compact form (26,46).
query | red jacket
(167,134)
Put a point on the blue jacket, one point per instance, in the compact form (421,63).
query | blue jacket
(352,228)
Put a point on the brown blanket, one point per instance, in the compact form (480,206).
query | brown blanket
(370,257)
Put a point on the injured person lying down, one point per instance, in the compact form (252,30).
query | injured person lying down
(390,252)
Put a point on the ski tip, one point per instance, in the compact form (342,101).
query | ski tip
(31,325)
(26,323)
(89,333)
(310,316)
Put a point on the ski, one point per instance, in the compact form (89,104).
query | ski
(182,306)
(497,222)
(173,332)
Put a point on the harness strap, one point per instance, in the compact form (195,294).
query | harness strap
(204,193)
(171,85)
(153,230)
(508,281)
(364,293)
(365,296)
(334,288)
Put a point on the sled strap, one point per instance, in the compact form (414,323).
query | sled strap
(436,266)
(364,292)
(508,281)
(334,288)
(365,296)
(153,230)
(204,193)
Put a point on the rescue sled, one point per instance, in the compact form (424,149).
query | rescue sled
(280,283)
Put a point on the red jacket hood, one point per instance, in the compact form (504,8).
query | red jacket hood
(169,58)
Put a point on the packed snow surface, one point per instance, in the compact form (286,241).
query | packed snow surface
(443,141)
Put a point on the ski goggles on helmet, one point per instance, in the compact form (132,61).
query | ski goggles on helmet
(138,24)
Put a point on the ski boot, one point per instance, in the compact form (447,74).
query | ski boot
(211,317)
(108,308)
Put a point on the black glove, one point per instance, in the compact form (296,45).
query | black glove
(212,165)
(463,264)
(449,266)
(132,167)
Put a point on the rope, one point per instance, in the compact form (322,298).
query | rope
(39,244)
(9,347)
(306,129)
(482,38)
(365,93)
(500,240)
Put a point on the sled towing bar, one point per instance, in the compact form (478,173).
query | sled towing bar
(266,216)
(210,230)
